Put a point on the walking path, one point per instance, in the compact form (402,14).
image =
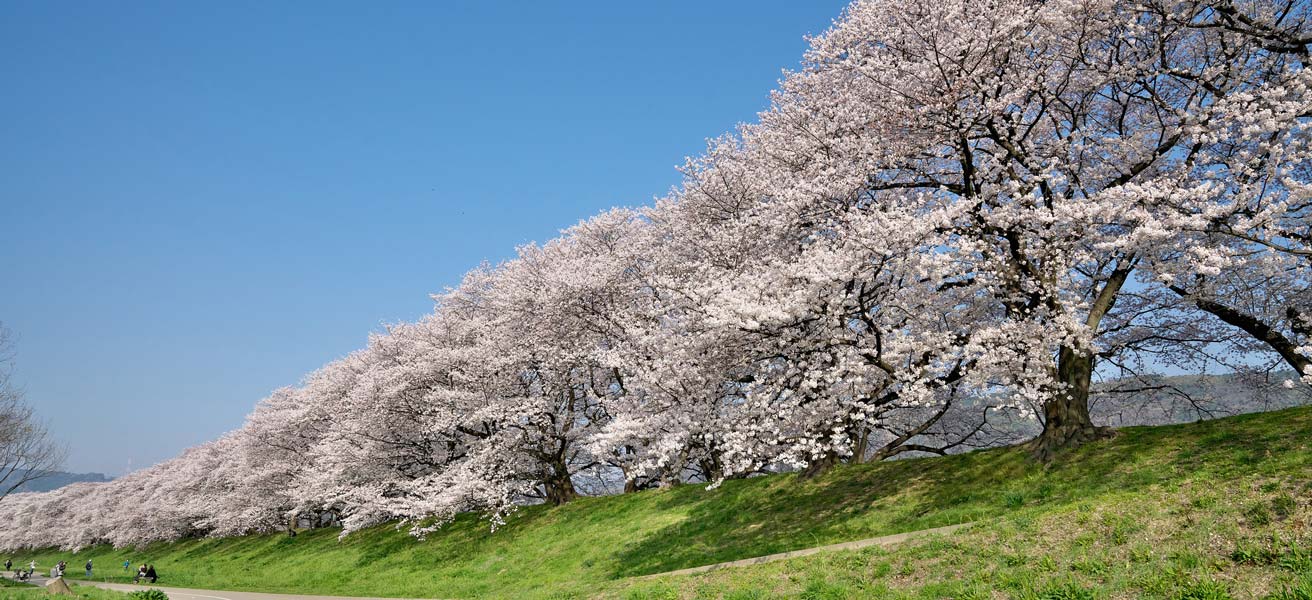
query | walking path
(190,594)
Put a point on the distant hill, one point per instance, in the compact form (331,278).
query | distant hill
(1128,402)
(58,479)
(1166,400)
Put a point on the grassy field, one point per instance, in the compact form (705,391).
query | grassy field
(1212,510)
(10,590)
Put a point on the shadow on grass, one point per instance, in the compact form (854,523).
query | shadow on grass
(583,543)
(755,517)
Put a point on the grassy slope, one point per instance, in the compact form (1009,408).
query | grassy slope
(11,590)
(1147,514)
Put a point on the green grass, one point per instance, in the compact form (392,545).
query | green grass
(11,590)
(1210,510)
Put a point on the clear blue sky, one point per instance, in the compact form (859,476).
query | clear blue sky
(201,202)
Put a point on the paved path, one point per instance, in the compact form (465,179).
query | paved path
(190,594)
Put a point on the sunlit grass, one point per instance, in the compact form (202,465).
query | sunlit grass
(10,590)
(1154,512)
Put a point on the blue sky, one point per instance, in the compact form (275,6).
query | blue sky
(202,202)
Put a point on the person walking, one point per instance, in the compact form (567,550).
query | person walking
(88,568)
(9,564)
(127,564)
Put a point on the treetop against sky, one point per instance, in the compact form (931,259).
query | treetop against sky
(203,203)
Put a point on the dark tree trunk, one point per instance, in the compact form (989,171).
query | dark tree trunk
(560,486)
(672,475)
(560,491)
(1066,422)
(862,446)
(820,465)
(712,469)
(630,480)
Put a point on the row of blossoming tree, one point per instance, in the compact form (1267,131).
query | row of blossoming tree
(955,212)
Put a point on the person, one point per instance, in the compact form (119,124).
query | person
(88,568)
(141,573)
(31,568)
(9,564)
(150,573)
(127,564)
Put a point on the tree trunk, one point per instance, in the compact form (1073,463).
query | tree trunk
(820,465)
(711,469)
(862,446)
(672,474)
(1066,422)
(560,486)
(630,479)
(711,466)
(560,491)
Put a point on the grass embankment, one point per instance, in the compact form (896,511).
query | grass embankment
(1209,510)
(12,590)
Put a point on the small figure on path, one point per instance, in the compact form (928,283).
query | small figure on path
(9,563)
(31,568)
(88,568)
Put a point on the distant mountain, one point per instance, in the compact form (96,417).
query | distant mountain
(1130,401)
(58,479)
(1164,400)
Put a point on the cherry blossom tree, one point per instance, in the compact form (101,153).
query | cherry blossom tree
(1056,126)
(954,213)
